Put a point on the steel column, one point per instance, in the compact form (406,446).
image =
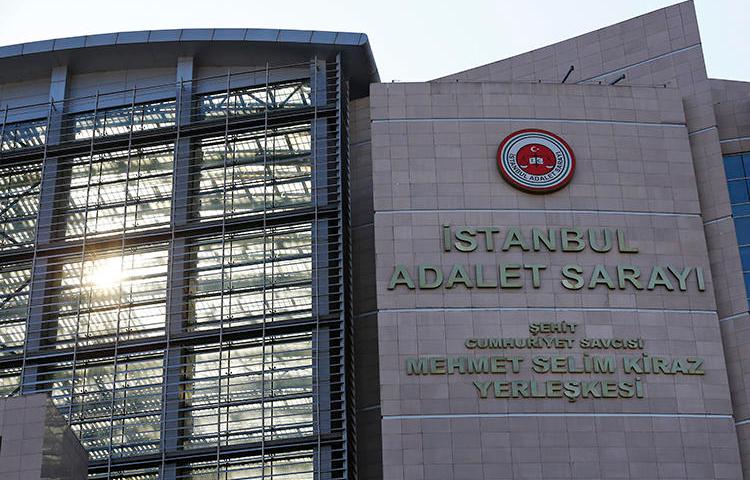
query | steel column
(45,276)
(179,267)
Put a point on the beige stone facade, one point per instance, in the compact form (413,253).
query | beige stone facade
(648,151)
(37,443)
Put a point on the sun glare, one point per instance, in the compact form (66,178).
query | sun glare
(105,273)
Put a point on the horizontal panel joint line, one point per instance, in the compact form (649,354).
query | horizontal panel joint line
(558,414)
(528,119)
(548,309)
(702,130)
(736,139)
(717,220)
(733,317)
(539,210)
(643,62)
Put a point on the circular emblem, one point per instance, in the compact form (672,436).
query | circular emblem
(535,161)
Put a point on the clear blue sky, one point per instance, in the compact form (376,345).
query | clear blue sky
(412,40)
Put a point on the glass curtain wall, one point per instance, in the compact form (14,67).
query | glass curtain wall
(737,169)
(173,276)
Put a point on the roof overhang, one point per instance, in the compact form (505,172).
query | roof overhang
(160,48)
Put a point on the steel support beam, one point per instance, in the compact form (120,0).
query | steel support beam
(44,275)
(179,268)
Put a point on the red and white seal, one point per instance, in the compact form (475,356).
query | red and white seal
(536,161)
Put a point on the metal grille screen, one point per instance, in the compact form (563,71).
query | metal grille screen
(172,272)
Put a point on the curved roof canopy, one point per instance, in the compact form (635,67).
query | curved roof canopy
(160,48)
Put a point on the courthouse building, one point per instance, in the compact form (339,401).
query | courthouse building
(234,254)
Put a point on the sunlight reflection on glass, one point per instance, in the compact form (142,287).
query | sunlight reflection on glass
(105,273)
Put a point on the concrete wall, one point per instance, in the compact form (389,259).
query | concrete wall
(37,442)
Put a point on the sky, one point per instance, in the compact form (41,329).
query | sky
(412,40)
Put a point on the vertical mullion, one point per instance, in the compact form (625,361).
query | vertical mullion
(222,285)
(2,130)
(22,379)
(264,297)
(346,361)
(171,425)
(168,313)
(120,289)
(83,253)
(37,320)
(315,266)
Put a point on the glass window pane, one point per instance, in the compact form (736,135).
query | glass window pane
(266,386)
(733,167)
(15,281)
(281,466)
(111,404)
(741,210)
(19,204)
(742,226)
(151,473)
(120,191)
(121,120)
(112,296)
(26,134)
(10,381)
(254,172)
(249,278)
(255,100)
(738,191)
